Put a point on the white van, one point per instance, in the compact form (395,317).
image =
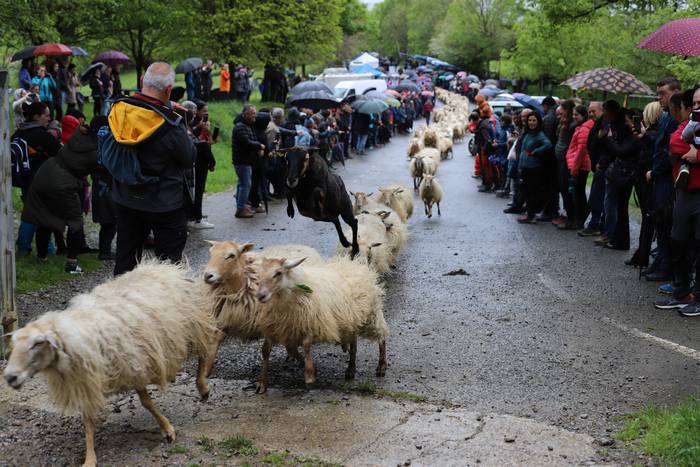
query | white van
(345,89)
(332,76)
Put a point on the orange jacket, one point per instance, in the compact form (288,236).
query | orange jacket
(225,83)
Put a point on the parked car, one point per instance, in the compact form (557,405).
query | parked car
(347,89)
(500,105)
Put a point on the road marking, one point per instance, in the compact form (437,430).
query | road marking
(554,287)
(681,349)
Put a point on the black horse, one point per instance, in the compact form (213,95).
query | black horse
(319,194)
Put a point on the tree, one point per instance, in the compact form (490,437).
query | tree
(391,28)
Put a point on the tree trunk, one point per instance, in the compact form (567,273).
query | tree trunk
(303,70)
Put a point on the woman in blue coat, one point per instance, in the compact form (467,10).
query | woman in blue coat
(535,147)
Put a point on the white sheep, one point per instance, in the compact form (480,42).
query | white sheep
(431,193)
(430,153)
(130,332)
(430,138)
(399,198)
(430,167)
(232,274)
(362,200)
(372,238)
(396,230)
(414,146)
(445,146)
(307,304)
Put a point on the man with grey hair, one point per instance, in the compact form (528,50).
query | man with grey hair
(153,190)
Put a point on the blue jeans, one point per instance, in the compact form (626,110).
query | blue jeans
(596,200)
(25,237)
(245,180)
(361,141)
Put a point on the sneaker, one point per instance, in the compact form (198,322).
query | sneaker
(691,310)
(566,226)
(200,225)
(260,209)
(561,220)
(602,240)
(682,179)
(544,218)
(244,213)
(73,268)
(659,276)
(527,220)
(589,232)
(671,303)
(513,210)
(665,289)
(484,189)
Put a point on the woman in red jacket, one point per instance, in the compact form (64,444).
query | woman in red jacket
(579,164)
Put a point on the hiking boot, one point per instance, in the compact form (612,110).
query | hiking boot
(602,240)
(484,189)
(559,220)
(543,218)
(671,303)
(659,276)
(682,179)
(589,232)
(244,213)
(513,210)
(527,220)
(691,310)
(665,289)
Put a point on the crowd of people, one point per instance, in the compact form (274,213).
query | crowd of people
(545,160)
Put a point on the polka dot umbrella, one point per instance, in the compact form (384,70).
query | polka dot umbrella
(681,37)
(608,79)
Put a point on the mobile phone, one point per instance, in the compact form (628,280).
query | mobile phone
(637,122)
(695,116)
(215,134)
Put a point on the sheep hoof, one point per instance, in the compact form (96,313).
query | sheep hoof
(169,435)
(204,397)
(309,380)
(260,388)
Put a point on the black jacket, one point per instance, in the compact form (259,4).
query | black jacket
(549,125)
(245,143)
(42,145)
(168,153)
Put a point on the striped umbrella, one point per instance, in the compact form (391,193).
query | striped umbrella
(681,37)
(608,79)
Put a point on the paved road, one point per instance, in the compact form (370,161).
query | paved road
(544,325)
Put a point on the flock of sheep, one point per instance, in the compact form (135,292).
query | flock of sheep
(139,328)
(433,144)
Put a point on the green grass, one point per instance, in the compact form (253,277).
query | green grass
(238,445)
(671,434)
(178,449)
(32,275)
(206,443)
(370,388)
(279,459)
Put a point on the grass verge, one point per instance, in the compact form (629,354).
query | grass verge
(671,434)
(32,275)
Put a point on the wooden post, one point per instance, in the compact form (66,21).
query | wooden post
(8,312)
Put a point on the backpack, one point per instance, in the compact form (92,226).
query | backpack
(19,159)
(120,160)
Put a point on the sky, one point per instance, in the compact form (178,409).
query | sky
(371,3)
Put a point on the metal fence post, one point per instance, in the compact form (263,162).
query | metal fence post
(8,312)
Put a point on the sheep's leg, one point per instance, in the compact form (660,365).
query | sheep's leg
(352,222)
(166,428)
(262,384)
(381,367)
(206,363)
(213,350)
(430,210)
(90,457)
(319,198)
(293,355)
(309,370)
(341,235)
(350,372)
(290,206)
(438,206)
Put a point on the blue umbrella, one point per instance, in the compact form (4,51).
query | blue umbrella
(529,101)
(367,68)
(490,92)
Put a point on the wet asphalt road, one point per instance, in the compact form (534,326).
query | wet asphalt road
(533,329)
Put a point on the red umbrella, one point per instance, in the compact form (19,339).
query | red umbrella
(52,49)
(681,37)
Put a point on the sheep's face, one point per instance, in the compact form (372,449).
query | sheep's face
(366,249)
(225,259)
(298,162)
(386,195)
(34,348)
(275,277)
(428,180)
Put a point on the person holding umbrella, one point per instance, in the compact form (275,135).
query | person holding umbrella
(97,91)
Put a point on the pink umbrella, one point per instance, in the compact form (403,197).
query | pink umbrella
(393,93)
(681,37)
(427,93)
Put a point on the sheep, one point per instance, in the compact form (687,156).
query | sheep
(445,146)
(396,231)
(232,274)
(432,153)
(458,132)
(430,138)
(130,332)
(399,198)
(430,192)
(415,170)
(308,304)
(429,167)
(362,200)
(374,248)
(414,146)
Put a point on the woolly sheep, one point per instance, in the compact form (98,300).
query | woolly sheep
(373,241)
(363,200)
(430,153)
(130,332)
(445,146)
(414,146)
(396,231)
(415,170)
(429,167)
(430,138)
(399,198)
(431,193)
(232,274)
(308,304)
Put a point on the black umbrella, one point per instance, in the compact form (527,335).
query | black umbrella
(87,74)
(188,65)
(314,100)
(310,86)
(27,52)
(409,86)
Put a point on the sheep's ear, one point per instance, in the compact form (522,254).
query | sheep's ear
(292,263)
(51,339)
(369,194)
(247,247)
(383,214)
(374,245)
(212,242)
(398,190)
(351,193)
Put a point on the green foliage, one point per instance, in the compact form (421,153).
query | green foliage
(206,443)
(238,445)
(32,275)
(179,449)
(672,434)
